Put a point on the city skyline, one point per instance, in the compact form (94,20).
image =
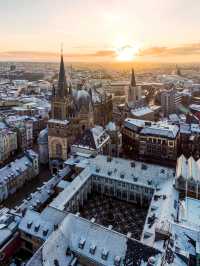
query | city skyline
(100,30)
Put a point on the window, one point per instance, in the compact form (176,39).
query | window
(58,150)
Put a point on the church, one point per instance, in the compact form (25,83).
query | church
(73,110)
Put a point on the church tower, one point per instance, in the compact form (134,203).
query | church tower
(59,122)
(61,96)
(134,91)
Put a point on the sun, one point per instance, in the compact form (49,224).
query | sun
(127,53)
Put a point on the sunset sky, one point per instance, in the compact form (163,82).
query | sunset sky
(100,30)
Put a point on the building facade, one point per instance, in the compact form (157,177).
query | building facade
(170,101)
(153,141)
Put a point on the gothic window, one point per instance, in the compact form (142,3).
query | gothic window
(58,150)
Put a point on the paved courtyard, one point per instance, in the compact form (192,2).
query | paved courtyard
(123,216)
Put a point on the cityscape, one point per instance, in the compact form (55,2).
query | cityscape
(99,135)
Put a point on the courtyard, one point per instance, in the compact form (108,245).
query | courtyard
(125,217)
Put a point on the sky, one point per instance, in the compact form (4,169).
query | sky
(100,30)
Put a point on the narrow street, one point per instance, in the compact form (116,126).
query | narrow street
(22,193)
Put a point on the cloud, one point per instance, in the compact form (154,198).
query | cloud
(39,55)
(187,49)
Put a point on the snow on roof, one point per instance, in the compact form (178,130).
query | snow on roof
(134,172)
(111,126)
(184,238)
(162,211)
(162,129)
(64,122)
(99,244)
(14,169)
(185,128)
(174,118)
(93,138)
(43,193)
(189,214)
(33,224)
(195,107)
(195,128)
(67,194)
(141,111)
(134,123)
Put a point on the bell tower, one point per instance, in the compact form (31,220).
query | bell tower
(58,125)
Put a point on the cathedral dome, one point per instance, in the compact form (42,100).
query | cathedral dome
(43,136)
(83,99)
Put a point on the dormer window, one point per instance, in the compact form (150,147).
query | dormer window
(29,224)
(104,254)
(81,243)
(45,232)
(37,227)
(92,249)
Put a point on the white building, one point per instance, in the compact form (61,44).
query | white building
(8,143)
(15,174)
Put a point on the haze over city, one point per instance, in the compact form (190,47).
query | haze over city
(92,30)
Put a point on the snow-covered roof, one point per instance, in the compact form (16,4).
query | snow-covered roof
(141,111)
(14,169)
(43,193)
(133,172)
(134,123)
(95,243)
(111,126)
(161,129)
(56,121)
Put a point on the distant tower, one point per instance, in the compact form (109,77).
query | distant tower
(178,71)
(134,91)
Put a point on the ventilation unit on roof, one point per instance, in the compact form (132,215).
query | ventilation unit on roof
(144,167)
(29,224)
(122,175)
(92,220)
(117,261)
(132,164)
(104,254)
(97,170)
(135,179)
(109,173)
(92,249)
(56,263)
(68,251)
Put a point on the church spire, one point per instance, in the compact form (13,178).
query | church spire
(133,82)
(62,84)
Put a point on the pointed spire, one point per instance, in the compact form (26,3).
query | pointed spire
(62,84)
(133,82)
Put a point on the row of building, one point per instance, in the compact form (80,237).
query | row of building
(15,174)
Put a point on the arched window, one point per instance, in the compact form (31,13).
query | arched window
(58,150)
